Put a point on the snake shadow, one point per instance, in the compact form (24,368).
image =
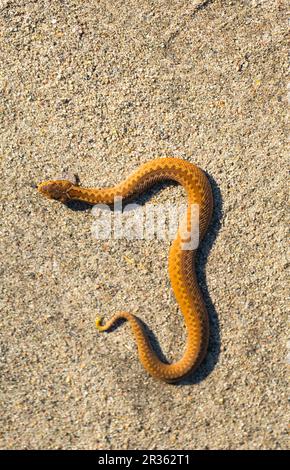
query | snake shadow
(213,352)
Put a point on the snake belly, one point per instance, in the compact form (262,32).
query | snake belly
(181,257)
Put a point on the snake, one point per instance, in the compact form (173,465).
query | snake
(181,260)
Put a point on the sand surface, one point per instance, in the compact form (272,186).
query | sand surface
(96,88)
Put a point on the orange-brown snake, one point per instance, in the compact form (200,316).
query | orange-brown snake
(181,256)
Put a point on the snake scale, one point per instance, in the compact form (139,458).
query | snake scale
(181,261)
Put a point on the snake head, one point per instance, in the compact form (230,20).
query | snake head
(56,189)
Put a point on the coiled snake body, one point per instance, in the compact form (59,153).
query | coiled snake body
(181,260)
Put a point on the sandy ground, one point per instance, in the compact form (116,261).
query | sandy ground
(96,88)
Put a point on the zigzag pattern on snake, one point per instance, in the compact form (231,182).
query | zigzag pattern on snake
(181,261)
